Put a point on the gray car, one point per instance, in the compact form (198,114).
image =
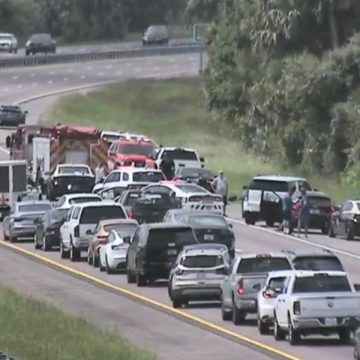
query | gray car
(156,35)
(198,273)
(247,277)
(20,222)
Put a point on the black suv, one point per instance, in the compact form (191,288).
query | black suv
(156,35)
(40,43)
(154,249)
(12,115)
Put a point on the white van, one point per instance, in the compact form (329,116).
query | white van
(80,222)
(263,198)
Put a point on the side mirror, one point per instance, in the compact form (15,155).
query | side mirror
(257,287)
(316,189)
(8,142)
(231,226)
(202,159)
(245,187)
(357,287)
(89,232)
(127,239)
(26,112)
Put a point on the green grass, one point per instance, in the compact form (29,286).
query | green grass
(172,111)
(32,330)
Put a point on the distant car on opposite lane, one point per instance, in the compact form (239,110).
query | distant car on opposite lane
(8,43)
(12,115)
(156,35)
(40,43)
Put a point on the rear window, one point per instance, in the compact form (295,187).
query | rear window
(276,284)
(74,170)
(167,238)
(207,221)
(319,201)
(10,109)
(131,199)
(202,261)
(321,283)
(154,199)
(94,214)
(318,263)
(180,154)
(40,37)
(35,208)
(150,176)
(81,200)
(263,265)
(267,185)
(191,189)
(195,173)
(122,229)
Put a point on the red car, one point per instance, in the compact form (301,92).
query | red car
(131,153)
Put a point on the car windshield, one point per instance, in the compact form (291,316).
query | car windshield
(74,170)
(209,221)
(81,200)
(10,109)
(148,176)
(125,231)
(160,238)
(94,214)
(276,284)
(189,189)
(321,283)
(180,154)
(195,173)
(321,201)
(268,185)
(137,149)
(202,261)
(263,265)
(6,37)
(318,263)
(40,37)
(35,207)
(158,30)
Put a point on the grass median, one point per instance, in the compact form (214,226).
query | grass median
(32,330)
(172,111)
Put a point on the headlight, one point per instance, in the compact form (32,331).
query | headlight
(28,43)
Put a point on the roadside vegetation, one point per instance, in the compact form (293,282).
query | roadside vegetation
(172,112)
(33,330)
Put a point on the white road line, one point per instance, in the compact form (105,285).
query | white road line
(293,238)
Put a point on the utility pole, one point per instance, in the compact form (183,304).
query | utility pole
(333,23)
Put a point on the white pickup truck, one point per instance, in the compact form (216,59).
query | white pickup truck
(315,302)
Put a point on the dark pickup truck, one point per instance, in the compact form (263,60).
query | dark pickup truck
(151,208)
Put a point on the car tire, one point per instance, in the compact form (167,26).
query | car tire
(269,223)
(345,336)
(6,238)
(177,302)
(46,246)
(27,53)
(74,253)
(225,315)
(130,276)
(95,260)
(109,271)
(37,246)
(12,239)
(249,220)
(350,232)
(101,267)
(294,335)
(140,279)
(238,316)
(64,254)
(15,51)
(279,334)
(263,328)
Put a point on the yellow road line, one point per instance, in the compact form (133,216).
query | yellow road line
(154,303)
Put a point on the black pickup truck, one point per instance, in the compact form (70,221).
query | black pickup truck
(151,208)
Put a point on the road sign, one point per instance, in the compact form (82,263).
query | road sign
(199,32)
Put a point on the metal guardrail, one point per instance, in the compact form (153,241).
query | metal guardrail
(176,49)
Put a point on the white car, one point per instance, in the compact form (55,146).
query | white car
(193,197)
(273,286)
(182,157)
(68,200)
(113,255)
(8,43)
(129,177)
(80,222)
(316,303)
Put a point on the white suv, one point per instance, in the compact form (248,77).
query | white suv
(80,223)
(8,43)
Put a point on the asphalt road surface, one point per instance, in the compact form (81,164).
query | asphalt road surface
(249,238)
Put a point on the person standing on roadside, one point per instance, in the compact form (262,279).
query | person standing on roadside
(304,213)
(167,166)
(287,205)
(220,187)
(99,172)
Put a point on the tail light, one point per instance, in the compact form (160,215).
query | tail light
(269,294)
(240,288)
(77,231)
(297,308)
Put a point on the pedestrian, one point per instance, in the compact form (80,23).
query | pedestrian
(220,187)
(99,172)
(167,166)
(304,213)
(287,207)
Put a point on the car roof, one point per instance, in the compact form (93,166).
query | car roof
(173,148)
(278,178)
(314,253)
(263,255)
(133,169)
(155,226)
(96,203)
(117,221)
(306,273)
(81,195)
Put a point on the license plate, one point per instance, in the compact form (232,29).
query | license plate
(209,237)
(172,252)
(314,211)
(331,322)
(208,207)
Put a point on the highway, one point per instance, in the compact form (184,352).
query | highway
(20,84)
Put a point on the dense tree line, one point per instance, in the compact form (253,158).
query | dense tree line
(284,75)
(74,20)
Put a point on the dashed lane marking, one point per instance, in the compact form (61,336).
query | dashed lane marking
(156,304)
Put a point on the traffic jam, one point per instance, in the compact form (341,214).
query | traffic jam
(149,212)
